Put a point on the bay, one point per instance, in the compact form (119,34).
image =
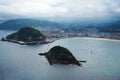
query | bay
(22,62)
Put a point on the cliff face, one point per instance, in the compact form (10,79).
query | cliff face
(26,34)
(60,55)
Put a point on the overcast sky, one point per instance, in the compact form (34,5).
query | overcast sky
(60,9)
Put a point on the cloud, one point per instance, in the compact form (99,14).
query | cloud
(60,9)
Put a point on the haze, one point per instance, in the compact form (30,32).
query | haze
(61,10)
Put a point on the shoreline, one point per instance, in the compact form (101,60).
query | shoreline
(102,39)
(26,43)
(46,42)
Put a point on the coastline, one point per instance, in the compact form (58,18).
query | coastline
(102,39)
(46,42)
(26,43)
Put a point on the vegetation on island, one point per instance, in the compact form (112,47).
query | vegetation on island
(60,55)
(26,34)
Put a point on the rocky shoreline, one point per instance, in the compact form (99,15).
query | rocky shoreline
(27,36)
(51,62)
(27,43)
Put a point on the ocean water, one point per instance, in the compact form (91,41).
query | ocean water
(22,62)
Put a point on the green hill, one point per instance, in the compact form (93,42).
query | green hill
(26,34)
(60,55)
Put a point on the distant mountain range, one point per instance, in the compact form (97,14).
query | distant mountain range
(111,27)
(2,21)
(19,23)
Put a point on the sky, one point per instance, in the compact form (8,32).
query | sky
(61,10)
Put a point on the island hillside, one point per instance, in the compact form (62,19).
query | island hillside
(60,55)
(26,36)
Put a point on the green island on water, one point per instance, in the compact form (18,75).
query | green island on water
(26,36)
(60,55)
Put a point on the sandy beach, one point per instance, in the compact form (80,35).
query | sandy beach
(104,39)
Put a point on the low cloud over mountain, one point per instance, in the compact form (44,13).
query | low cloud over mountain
(61,9)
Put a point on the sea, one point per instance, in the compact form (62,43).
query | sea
(22,62)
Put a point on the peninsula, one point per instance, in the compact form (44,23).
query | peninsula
(26,36)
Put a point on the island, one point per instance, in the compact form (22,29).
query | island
(60,55)
(27,36)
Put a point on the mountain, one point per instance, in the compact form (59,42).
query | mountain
(111,27)
(19,23)
(2,21)
(26,34)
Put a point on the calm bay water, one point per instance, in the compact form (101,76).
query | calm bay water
(22,62)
